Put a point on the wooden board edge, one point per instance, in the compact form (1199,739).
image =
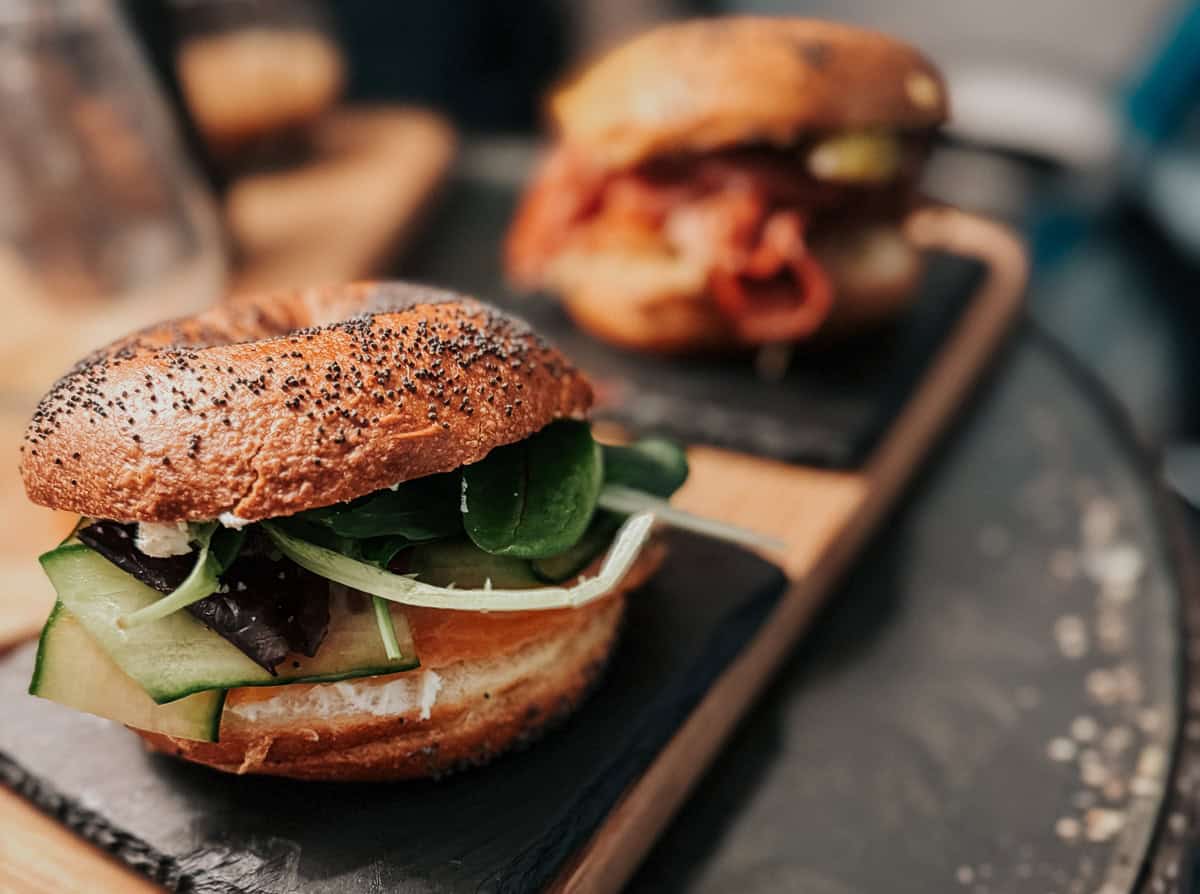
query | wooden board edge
(616,849)
(39,855)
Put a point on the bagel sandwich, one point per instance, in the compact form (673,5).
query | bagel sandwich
(731,182)
(360,532)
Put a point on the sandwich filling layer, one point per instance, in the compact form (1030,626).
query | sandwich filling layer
(403,584)
(738,224)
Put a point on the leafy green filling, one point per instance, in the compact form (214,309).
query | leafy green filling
(534,501)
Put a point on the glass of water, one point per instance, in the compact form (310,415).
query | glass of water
(104,227)
(104,222)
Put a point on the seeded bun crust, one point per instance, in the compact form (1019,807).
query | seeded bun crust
(487,704)
(269,406)
(710,83)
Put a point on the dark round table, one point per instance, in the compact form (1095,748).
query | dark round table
(994,700)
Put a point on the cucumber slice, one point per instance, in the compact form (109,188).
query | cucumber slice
(74,671)
(463,564)
(571,563)
(177,655)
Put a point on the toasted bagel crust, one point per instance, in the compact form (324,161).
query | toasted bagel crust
(487,707)
(710,83)
(269,406)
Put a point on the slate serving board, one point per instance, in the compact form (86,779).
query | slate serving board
(830,410)
(507,827)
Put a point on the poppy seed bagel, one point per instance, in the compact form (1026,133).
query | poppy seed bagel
(268,406)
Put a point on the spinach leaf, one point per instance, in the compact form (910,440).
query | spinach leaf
(379,551)
(419,510)
(595,541)
(310,527)
(653,465)
(225,545)
(534,498)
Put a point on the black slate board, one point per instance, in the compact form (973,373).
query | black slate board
(830,410)
(963,717)
(507,827)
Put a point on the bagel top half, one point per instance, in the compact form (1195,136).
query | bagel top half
(708,84)
(270,406)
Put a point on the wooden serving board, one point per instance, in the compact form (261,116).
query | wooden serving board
(822,514)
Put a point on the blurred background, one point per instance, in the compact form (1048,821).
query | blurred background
(1077,121)
(156,154)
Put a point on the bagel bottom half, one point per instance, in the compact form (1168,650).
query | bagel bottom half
(487,684)
(658,302)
